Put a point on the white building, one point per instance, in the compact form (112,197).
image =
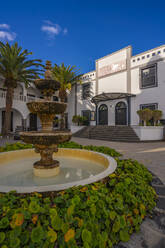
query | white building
(120,85)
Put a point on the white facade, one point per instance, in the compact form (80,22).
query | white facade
(119,72)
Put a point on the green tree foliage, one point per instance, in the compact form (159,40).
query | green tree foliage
(67,76)
(15,67)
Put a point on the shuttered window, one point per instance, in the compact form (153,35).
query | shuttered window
(149,76)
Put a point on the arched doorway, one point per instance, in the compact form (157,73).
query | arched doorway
(121,113)
(103,114)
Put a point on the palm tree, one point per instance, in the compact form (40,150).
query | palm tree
(15,67)
(67,76)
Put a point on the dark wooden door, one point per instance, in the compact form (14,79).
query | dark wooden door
(33,122)
(103,115)
(121,114)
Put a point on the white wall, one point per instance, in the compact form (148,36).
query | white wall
(114,82)
(71,106)
(81,104)
(149,133)
(148,95)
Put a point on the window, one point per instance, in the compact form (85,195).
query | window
(159,52)
(133,60)
(143,57)
(55,98)
(151,106)
(87,114)
(149,76)
(85,91)
(148,55)
(153,54)
(31,95)
(138,59)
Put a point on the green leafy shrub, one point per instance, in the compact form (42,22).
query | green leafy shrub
(15,146)
(145,115)
(92,216)
(79,120)
(157,115)
(102,149)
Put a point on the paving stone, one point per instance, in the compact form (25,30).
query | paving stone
(161,202)
(151,154)
(149,236)
(156,181)
(160,189)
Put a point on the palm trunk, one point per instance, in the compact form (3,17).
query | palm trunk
(62,95)
(9,103)
(62,122)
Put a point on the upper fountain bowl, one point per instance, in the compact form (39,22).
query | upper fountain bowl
(46,107)
(47,84)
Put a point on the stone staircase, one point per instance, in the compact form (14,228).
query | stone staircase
(109,133)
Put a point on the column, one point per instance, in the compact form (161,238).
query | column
(129,110)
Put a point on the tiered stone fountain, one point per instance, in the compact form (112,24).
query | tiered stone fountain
(46,140)
(76,166)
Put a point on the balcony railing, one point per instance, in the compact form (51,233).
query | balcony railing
(21,97)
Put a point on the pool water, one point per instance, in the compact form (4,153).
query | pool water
(71,170)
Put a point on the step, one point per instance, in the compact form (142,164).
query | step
(109,133)
(161,202)
(160,189)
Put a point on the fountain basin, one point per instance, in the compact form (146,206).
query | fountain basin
(46,107)
(45,138)
(77,167)
(47,84)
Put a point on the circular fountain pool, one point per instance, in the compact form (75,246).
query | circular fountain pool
(77,167)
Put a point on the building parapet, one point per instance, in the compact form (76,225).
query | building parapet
(149,55)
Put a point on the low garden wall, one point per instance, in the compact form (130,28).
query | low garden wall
(75,129)
(146,133)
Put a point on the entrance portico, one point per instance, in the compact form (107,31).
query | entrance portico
(113,108)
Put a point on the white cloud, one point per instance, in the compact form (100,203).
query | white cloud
(7,36)
(52,29)
(4,26)
(65,31)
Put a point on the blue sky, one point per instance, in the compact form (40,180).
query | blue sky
(77,32)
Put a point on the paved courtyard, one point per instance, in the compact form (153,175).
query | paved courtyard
(151,154)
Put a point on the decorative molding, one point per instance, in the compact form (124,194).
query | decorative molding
(148,51)
(112,68)
(148,64)
(113,53)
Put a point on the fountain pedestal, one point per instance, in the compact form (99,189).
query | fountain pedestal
(47,166)
(46,141)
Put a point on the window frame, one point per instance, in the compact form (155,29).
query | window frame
(148,104)
(84,85)
(156,76)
